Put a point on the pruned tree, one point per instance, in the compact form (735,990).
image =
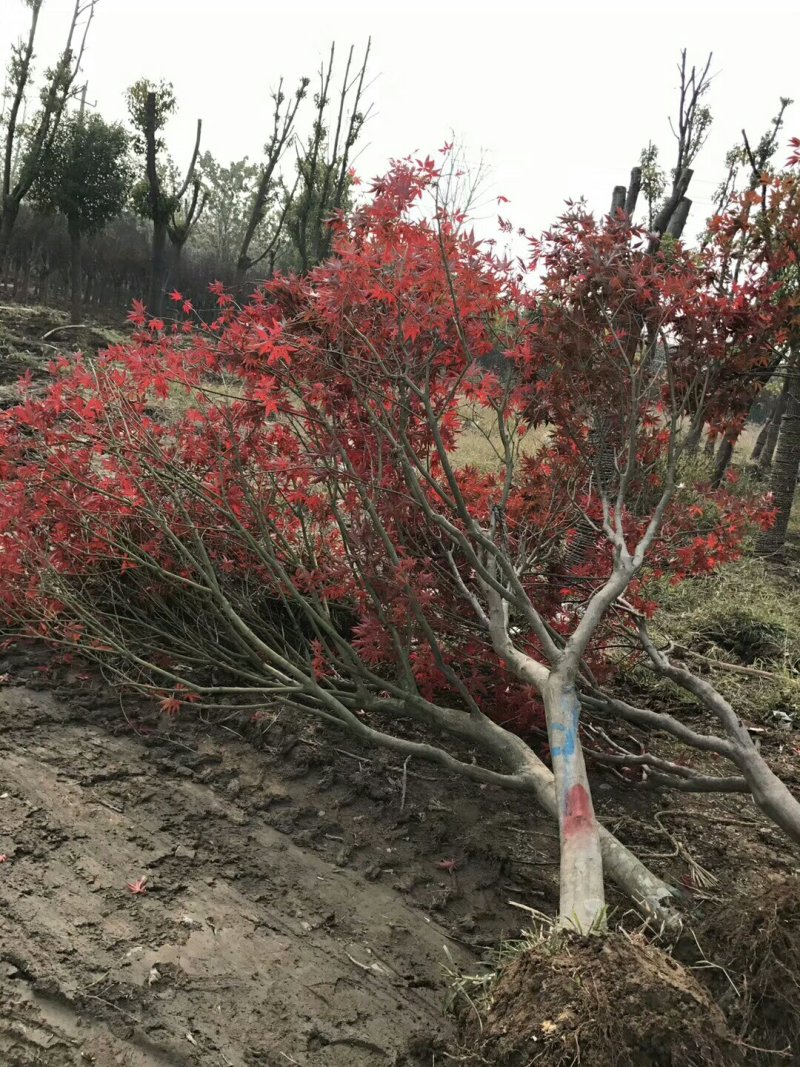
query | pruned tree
(324,162)
(690,129)
(58,87)
(185,216)
(86,179)
(269,187)
(160,199)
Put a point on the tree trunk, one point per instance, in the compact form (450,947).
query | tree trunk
(7,220)
(774,428)
(75,276)
(694,437)
(582,900)
(25,282)
(176,263)
(158,268)
(724,456)
(711,443)
(44,285)
(677,223)
(763,433)
(770,794)
(787,462)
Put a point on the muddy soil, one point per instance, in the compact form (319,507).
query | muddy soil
(303,897)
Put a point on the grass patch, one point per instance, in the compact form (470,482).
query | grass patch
(478,444)
(747,615)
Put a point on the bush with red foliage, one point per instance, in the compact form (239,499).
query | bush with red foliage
(265,508)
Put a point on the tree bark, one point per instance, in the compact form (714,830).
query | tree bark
(786,465)
(634,188)
(763,433)
(617,200)
(694,437)
(774,429)
(724,456)
(678,221)
(582,897)
(158,267)
(75,275)
(10,210)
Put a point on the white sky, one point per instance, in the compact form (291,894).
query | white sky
(561,97)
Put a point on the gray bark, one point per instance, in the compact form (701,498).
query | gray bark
(773,428)
(679,217)
(75,272)
(634,188)
(582,897)
(786,464)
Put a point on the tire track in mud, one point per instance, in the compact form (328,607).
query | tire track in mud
(245,949)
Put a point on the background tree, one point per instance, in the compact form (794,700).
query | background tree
(159,199)
(756,162)
(653,180)
(56,92)
(184,217)
(324,164)
(778,241)
(86,178)
(268,187)
(786,463)
(219,231)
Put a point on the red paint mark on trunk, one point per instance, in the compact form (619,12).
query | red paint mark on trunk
(578,814)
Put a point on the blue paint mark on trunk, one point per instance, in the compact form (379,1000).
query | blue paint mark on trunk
(569,734)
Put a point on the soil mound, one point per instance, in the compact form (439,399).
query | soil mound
(612,1001)
(756,939)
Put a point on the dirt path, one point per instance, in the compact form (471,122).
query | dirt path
(245,949)
(302,895)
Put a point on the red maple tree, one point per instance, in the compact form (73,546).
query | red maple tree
(267,507)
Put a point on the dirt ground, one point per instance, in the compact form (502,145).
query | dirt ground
(300,903)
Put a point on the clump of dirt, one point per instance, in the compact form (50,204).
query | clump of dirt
(746,635)
(756,939)
(615,1000)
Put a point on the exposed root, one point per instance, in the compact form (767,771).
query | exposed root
(614,1000)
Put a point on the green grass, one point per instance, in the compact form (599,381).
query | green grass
(747,615)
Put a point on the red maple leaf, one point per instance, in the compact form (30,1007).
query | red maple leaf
(448,865)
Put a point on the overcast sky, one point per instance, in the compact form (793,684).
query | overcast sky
(561,97)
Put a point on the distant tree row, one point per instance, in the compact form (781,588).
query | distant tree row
(96,213)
